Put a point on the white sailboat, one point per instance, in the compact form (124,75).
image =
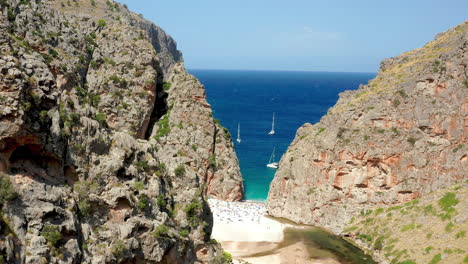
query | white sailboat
(272,132)
(272,163)
(238,134)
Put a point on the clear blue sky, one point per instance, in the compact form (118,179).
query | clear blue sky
(327,35)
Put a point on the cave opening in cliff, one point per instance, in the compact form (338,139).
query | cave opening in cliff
(123,204)
(30,160)
(53,217)
(121,211)
(160,109)
(122,174)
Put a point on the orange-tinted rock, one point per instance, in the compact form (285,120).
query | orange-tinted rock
(401,136)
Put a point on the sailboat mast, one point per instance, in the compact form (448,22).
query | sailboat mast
(272,157)
(273,124)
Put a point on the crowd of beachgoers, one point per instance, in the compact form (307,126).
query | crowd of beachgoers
(233,212)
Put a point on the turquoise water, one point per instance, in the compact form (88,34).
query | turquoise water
(251,97)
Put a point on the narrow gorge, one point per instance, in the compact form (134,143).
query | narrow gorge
(110,153)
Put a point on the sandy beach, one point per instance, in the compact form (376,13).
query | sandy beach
(244,222)
(244,230)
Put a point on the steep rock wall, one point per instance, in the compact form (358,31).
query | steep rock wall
(86,146)
(397,138)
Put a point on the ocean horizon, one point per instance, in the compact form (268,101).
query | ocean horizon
(192,70)
(250,97)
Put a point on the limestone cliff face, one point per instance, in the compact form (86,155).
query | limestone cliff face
(105,138)
(397,138)
(193,139)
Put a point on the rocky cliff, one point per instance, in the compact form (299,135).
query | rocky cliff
(401,136)
(108,148)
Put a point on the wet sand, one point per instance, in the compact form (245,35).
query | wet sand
(293,254)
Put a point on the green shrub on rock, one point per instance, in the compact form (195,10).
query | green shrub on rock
(7,191)
(192,211)
(378,244)
(83,189)
(192,208)
(412,140)
(460,234)
(119,248)
(143,202)
(101,23)
(84,206)
(436,259)
(142,165)
(166,86)
(365,237)
(43,116)
(179,171)
(161,202)
(225,257)
(94,99)
(184,233)
(448,201)
(53,53)
(11,14)
(74,118)
(161,231)
(51,234)
(212,161)
(164,127)
(101,118)
(139,186)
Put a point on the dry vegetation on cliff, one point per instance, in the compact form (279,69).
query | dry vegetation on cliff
(427,230)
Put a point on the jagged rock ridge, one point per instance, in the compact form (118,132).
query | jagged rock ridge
(108,142)
(397,138)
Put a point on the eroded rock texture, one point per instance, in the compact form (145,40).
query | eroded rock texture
(401,136)
(107,140)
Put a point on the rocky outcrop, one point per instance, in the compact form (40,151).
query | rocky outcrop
(189,136)
(401,136)
(105,138)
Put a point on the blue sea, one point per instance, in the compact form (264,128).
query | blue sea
(250,98)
